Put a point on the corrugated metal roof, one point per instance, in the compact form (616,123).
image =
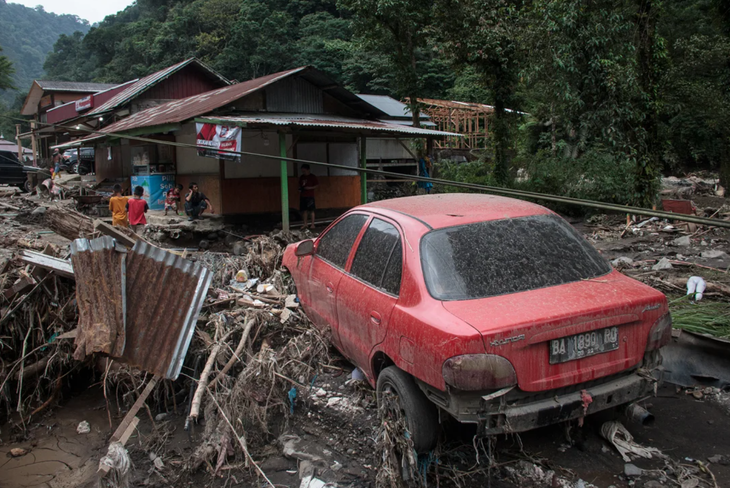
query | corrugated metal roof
(73,86)
(187,108)
(326,121)
(180,110)
(164,296)
(149,81)
(100,295)
(390,106)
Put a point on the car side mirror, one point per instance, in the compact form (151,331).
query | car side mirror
(305,248)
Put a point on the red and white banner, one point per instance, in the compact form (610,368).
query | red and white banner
(212,138)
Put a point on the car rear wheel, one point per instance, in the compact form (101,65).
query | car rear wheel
(26,187)
(398,395)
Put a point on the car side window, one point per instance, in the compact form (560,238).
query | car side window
(336,244)
(378,259)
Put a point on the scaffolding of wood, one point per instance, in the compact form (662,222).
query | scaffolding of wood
(469,119)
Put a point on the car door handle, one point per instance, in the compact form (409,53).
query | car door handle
(330,288)
(375,318)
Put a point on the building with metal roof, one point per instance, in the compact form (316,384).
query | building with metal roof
(299,113)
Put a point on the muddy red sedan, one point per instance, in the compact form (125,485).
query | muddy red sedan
(491,309)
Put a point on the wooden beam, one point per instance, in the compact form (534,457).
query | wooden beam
(59,266)
(117,234)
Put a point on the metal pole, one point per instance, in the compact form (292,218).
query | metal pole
(284,183)
(20,146)
(33,143)
(363,175)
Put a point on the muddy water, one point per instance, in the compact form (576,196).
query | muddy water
(58,457)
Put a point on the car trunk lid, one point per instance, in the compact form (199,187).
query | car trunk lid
(522,326)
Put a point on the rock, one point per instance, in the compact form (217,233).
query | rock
(623,260)
(17,452)
(160,417)
(714,254)
(719,459)
(334,401)
(321,392)
(83,428)
(239,248)
(653,484)
(682,241)
(204,244)
(662,264)
(158,236)
(158,463)
(39,211)
(230,239)
(212,236)
(632,470)
(223,234)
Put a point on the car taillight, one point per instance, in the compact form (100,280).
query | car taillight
(660,333)
(479,372)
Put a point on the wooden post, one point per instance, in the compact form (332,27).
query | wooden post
(363,175)
(33,143)
(20,146)
(284,184)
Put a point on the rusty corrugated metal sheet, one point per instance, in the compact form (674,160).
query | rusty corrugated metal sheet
(326,121)
(164,295)
(147,82)
(187,108)
(100,294)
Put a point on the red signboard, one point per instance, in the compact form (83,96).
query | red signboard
(84,103)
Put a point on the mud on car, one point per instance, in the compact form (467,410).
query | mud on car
(493,310)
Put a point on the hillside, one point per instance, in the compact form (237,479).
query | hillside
(27,35)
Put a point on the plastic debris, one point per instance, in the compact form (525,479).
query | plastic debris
(357,375)
(615,433)
(292,398)
(696,286)
(83,428)
(662,264)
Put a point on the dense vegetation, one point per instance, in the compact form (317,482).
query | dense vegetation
(27,35)
(617,91)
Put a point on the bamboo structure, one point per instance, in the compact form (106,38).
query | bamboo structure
(469,119)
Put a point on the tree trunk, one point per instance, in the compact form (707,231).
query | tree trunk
(69,223)
(648,169)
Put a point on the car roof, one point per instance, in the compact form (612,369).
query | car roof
(450,209)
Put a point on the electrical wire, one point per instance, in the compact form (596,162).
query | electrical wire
(510,192)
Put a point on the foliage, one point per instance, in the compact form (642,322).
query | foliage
(27,35)
(6,73)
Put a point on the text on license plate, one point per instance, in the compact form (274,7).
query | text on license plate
(583,345)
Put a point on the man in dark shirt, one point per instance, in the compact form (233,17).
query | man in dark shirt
(307,184)
(196,202)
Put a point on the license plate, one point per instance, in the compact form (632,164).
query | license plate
(583,345)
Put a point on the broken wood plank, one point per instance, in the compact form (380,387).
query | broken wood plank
(116,233)
(129,418)
(61,267)
(23,285)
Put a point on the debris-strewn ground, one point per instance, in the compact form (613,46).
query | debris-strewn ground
(280,407)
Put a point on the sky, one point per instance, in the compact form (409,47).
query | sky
(91,10)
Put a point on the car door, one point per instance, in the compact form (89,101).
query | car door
(11,171)
(332,251)
(369,291)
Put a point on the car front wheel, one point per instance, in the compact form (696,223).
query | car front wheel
(398,395)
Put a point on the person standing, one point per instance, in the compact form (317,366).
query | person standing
(307,184)
(56,164)
(136,208)
(118,208)
(196,202)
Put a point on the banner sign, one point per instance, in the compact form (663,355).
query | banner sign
(213,137)
(84,103)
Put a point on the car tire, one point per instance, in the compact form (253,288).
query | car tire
(74,169)
(421,415)
(26,187)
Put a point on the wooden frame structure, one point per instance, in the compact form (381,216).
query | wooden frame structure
(469,119)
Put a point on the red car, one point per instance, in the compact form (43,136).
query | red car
(491,309)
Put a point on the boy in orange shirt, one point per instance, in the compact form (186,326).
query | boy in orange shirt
(118,207)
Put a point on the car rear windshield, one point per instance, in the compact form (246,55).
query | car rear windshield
(506,256)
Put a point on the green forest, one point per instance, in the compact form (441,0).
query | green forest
(614,92)
(27,35)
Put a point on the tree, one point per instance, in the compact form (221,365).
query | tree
(398,30)
(6,73)
(485,35)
